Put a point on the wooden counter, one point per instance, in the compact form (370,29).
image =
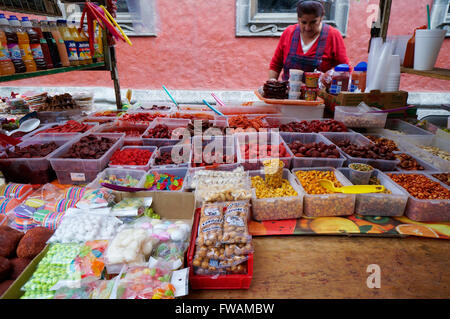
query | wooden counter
(295,267)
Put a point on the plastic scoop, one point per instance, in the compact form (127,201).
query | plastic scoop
(354,189)
(26,126)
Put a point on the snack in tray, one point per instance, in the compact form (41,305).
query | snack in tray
(385,142)
(89,147)
(443,177)
(313,126)
(31,151)
(274,89)
(131,156)
(372,151)
(69,127)
(204,178)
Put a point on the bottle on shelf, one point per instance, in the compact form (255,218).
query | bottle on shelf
(85,43)
(44,46)
(6,65)
(62,51)
(13,45)
(69,41)
(78,42)
(35,44)
(51,42)
(98,44)
(24,44)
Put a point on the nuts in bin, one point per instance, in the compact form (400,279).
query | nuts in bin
(443,177)
(436,151)
(310,181)
(408,163)
(210,225)
(385,142)
(314,150)
(420,186)
(367,151)
(273,172)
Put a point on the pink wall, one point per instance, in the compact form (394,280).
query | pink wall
(196,48)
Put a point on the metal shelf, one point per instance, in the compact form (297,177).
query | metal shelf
(20,76)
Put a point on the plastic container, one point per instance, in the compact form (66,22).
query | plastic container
(168,149)
(380,204)
(427,47)
(145,167)
(178,126)
(413,132)
(277,208)
(413,146)
(353,116)
(176,171)
(358,78)
(269,138)
(312,79)
(361,140)
(152,116)
(119,173)
(194,115)
(219,281)
(202,147)
(52,125)
(276,122)
(427,167)
(295,75)
(34,170)
(124,128)
(340,79)
(82,171)
(358,177)
(335,204)
(307,138)
(426,210)
(295,86)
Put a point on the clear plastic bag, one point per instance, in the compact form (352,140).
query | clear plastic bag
(210,226)
(238,249)
(131,206)
(235,227)
(96,198)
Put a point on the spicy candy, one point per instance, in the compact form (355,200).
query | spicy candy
(131,156)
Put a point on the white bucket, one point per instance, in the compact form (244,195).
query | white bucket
(427,47)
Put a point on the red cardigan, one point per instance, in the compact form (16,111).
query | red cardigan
(334,54)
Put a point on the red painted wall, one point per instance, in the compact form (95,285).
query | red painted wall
(196,48)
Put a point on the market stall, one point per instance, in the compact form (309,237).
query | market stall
(145,201)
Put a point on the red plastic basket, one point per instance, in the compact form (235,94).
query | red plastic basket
(215,282)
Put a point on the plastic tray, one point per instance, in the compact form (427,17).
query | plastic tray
(351,116)
(34,170)
(191,173)
(312,161)
(410,130)
(82,171)
(426,210)
(257,163)
(173,124)
(122,127)
(413,147)
(40,128)
(361,140)
(59,116)
(427,167)
(259,93)
(195,115)
(215,282)
(120,173)
(165,149)
(335,204)
(163,114)
(145,167)
(373,204)
(226,145)
(277,208)
(180,172)
(51,125)
(99,119)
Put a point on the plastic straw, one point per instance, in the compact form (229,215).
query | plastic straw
(428,16)
(170,95)
(213,108)
(217,99)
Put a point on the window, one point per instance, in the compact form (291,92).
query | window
(271,17)
(135,17)
(440,15)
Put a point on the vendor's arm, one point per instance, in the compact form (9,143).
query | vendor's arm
(276,64)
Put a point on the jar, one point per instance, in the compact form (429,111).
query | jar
(340,79)
(311,94)
(358,78)
(312,79)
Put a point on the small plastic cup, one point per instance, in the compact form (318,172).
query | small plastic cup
(360,173)
(273,172)
(295,75)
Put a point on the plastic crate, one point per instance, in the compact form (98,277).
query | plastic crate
(277,208)
(34,170)
(426,210)
(177,125)
(145,167)
(360,140)
(168,149)
(380,204)
(119,173)
(225,145)
(307,138)
(427,167)
(215,282)
(180,172)
(353,116)
(334,204)
(412,131)
(82,171)
(269,138)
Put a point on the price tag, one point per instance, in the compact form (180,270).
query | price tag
(77,177)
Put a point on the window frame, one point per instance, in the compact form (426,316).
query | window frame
(251,23)
(438,16)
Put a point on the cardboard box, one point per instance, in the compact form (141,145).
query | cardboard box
(376,98)
(169,205)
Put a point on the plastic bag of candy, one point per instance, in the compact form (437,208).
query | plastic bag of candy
(96,198)
(131,206)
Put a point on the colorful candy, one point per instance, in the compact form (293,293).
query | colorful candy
(163,182)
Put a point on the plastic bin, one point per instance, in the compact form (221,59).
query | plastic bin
(307,138)
(40,128)
(335,204)
(353,116)
(59,116)
(100,119)
(413,132)
(201,148)
(190,176)
(177,125)
(152,116)
(426,210)
(145,167)
(260,138)
(82,171)
(275,122)
(119,173)
(414,148)
(277,208)
(34,170)
(52,125)
(195,115)
(168,149)
(179,171)
(123,127)
(427,167)
(380,204)
(360,140)
(219,281)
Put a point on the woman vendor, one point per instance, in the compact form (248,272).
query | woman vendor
(309,45)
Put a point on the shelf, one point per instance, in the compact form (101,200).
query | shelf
(20,76)
(437,73)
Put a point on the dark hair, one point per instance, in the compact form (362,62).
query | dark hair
(310,7)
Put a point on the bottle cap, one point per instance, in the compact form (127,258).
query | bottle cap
(361,66)
(25,19)
(12,18)
(342,68)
